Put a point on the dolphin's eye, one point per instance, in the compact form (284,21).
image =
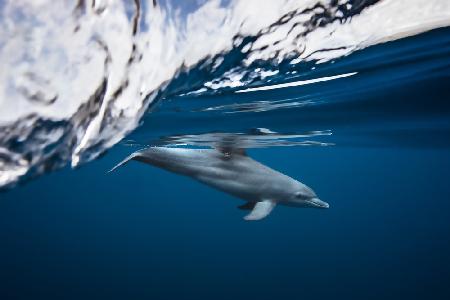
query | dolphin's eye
(300,195)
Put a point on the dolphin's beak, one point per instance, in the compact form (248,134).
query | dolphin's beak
(316,202)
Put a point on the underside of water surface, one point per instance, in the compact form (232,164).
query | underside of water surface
(77,77)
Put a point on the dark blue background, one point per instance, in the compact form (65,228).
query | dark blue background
(144,233)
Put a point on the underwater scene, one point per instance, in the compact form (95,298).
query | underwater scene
(224,149)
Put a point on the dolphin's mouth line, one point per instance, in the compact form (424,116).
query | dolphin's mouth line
(318,203)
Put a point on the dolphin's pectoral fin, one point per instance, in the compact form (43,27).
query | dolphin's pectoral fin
(261,210)
(247,206)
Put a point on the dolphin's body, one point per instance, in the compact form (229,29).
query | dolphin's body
(235,173)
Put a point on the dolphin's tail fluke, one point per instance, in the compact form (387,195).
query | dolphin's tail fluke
(127,159)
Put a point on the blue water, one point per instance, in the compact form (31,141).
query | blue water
(144,233)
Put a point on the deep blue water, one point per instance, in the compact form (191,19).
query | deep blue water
(144,233)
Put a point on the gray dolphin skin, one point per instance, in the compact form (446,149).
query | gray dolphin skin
(233,172)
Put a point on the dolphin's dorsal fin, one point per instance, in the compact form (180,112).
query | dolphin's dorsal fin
(240,151)
(230,145)
(229,151)
(247,206)
(261,210)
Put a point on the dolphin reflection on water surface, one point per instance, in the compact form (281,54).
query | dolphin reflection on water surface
(230,170)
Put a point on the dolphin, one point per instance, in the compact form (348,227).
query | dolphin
(232,171)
